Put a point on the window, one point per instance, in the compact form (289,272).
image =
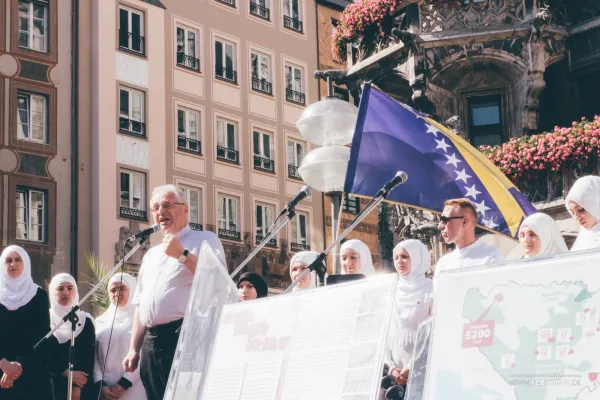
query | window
(33,25)
(299,239)
(264,219)
(262,152)
(261,77)
(291,15)
(187,49)
(351,204)
(295,157)
(230,3)
(228,218)
(227,141)
(133,195)
(188,137)
(31,117)
(341,94)
(225,57)
(260,8)
(293,84)
(193,197)
(131,29)
(31,214)
(131,108)
(485,120)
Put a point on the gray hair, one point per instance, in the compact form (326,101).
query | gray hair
(162,190)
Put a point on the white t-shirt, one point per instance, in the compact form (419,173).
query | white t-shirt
(474,255)
(164,284)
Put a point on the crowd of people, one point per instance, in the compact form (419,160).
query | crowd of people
(127,352)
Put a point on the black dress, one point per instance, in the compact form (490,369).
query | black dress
(20,330)
(84,361)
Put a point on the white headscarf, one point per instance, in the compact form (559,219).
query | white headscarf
(123,316)
(366,262)
(586,193)
(413,285)
(548,231)
(57,312)
(16,292)
(305,257)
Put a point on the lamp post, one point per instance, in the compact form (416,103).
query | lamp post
(328,123)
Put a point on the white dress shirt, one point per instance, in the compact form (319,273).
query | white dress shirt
(164,284)
(474,255)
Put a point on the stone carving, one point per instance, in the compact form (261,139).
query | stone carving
(470,15)
(456,125)
(361,227)
(122,247)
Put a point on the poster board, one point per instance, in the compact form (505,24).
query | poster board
(418,373)
(527,330)
(212,288)
(321,344)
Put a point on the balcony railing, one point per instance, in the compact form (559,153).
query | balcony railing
(133,213)
(259,11)
(189,145)
(188,62)
(264,164)
(195,227)
(230,3)
(132,127)
(262,85)
(270,243)
(229,234)
(294,97)
(227,74)
(293,172)
(133,43)
(295,247)
(228,155)
(292,23)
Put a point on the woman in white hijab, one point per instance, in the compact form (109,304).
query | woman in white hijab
(539,235)
(412,305)
(24,320)
(583,203)
(63,296)
(113,334)
(298,264)
(356,258)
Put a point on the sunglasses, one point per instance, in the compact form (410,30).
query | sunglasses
(444,220)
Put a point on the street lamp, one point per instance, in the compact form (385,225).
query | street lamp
(328,123)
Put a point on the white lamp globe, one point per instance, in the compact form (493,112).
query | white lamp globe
(324,168)
(328,122)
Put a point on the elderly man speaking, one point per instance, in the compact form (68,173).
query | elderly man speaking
(164,285)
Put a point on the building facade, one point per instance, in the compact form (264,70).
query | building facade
(204,95)
(36,134)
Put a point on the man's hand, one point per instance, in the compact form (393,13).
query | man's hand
(131,361)
(108,394)
(172,246)
(117,390)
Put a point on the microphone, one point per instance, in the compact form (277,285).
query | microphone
(304,192)
(400,178)
(145,233)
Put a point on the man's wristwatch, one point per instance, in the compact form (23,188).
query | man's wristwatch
(183,257)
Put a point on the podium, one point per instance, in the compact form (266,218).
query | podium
(321,344)
(212,288)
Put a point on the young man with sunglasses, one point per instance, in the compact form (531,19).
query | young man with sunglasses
(457,224)
(163,289)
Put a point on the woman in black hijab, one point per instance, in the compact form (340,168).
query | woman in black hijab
(252,286)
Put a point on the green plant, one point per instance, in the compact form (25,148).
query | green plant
(98,271)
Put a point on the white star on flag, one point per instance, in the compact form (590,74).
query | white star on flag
(442,144)
(432,129)
(452,160)
(490,223)
(462,175)
(472,191)
(482,208)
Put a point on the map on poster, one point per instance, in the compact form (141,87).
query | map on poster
(528,330)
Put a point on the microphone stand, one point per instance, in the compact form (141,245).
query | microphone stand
(74,319)
(318,265)
(291,213)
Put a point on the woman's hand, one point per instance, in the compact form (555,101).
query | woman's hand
(12,369)
(402,378)
(76,393)
(108,394)
(79,378)
(6,382)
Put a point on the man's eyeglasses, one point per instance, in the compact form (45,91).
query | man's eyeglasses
(165,206)
(444,220)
